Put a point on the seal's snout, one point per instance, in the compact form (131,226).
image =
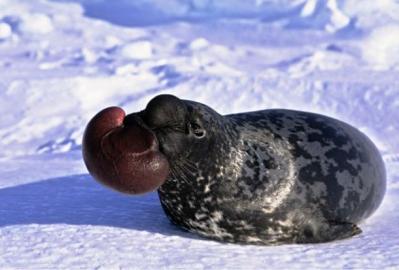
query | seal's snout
(123,154)
(164,110)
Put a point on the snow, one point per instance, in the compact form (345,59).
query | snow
(62,61)
(137,50)
(381,45)
(36,24)
(5,30)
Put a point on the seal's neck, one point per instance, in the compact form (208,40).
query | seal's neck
(223,154)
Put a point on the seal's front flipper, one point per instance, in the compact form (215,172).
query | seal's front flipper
(328,231)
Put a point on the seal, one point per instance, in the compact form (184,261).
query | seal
(266,177)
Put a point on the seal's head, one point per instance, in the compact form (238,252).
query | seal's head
(132,153)
(184,128)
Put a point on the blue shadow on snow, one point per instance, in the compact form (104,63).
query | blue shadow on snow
(79,200)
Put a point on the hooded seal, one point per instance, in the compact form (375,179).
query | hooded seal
(265,177)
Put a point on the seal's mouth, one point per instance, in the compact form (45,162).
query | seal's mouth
(122,152)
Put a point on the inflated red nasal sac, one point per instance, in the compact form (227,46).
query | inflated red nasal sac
(122,156)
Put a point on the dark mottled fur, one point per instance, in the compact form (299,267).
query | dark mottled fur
(271,177)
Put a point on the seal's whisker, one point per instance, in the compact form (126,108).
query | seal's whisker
(189,164)
(176,173)
(172,170)
(181,173)
(186,176)
(188,170)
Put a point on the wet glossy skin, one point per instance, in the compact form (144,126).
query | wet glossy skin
(122,154)
(265,177)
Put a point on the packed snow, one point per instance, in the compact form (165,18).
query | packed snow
(62,61)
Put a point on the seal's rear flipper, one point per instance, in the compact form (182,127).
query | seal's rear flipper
(328,231)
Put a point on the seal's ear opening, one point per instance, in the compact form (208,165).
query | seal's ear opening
(165,110)
(123,155)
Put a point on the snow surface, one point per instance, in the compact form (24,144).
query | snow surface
(62,61)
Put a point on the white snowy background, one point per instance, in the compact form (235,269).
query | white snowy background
(62,61)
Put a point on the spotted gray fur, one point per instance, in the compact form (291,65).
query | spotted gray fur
(273,177)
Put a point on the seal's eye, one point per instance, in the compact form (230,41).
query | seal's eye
(197,130)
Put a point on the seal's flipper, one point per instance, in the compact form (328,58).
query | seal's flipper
(328,231)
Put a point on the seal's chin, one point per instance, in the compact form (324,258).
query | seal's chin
(123,155)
